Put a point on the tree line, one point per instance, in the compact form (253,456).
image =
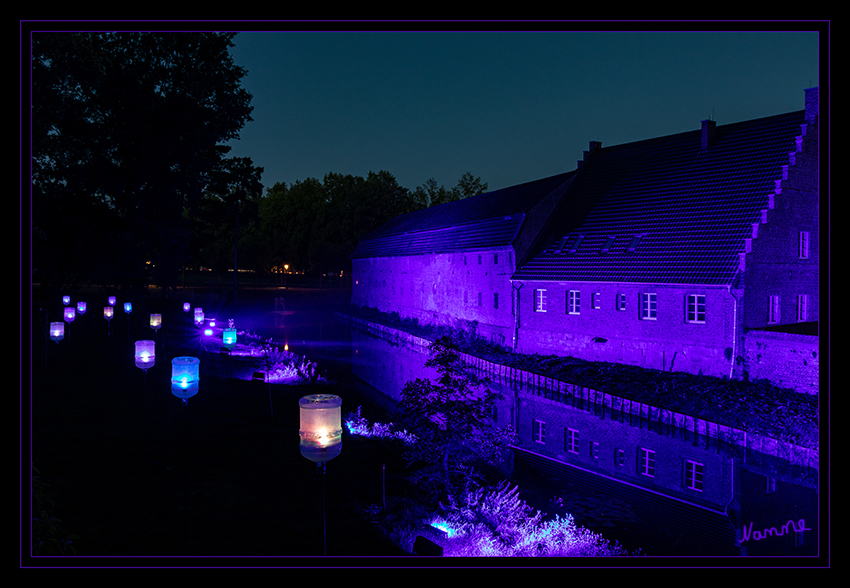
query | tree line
(131,178)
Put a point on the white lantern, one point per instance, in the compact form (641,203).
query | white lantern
(145,354)
(66,300)
(199,316)
(57,331)
(107,313)
(112,301)
(81,307)
(229,337)
(321,427)
(156,321)
(70,314)
(128,307)
(185,377)
(186,307)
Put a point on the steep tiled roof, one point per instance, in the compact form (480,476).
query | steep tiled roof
(480,222)
(693,208)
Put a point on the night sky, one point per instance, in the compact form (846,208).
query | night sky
(508,107)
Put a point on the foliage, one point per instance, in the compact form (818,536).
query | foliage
(48,537)
(128,137)
(451,419)
(495,521)
(357,424)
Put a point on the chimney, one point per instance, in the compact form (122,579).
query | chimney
(594,146)
(812,105)
(707,137)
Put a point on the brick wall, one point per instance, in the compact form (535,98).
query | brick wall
(785,359)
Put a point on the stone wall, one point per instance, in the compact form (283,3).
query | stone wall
(785,359)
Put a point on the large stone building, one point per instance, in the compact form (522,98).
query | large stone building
(665,253)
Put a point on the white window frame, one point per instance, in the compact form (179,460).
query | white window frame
(694,475)
(620,457)
(621,301)
(540,300)
(802,308)
(596,298)
(573,302)
(646,462)
(693,303)
(571,441)
(648,306)
(594,450)
(773,309)
(540,431)
(803,249)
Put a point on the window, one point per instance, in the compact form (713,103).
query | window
(575,243)
(648,306)
(571,440)
(802,307)
(595,299)
(539,431)
(621,302)
(693,475)
(540,301)
(620,457)
(594,450)
(773,309)
(770,485)
(573,302)
(480,300)
(634,243)
(607,245)
(495,300)
(646,462)
(695,308)
(479,259)
(465,297)
(804,245)
(495,259)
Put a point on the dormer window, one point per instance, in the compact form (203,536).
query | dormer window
(634,243)
(607,244)
(575,242)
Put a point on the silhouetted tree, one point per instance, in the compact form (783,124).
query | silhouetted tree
(128,137)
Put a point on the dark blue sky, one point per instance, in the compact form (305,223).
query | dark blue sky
(508,107)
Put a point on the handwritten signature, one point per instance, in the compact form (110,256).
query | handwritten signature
(791,525)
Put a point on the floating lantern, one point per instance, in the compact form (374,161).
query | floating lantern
(112,301)
(156,321)
(145,354)
(57,331)
(107,313)
(70,314)
(186,307)
(185,377)
(128,307)
(81,307)
(66,300)
(229,337)
(321,427)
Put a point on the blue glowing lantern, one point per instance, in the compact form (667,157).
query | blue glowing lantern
(57,331)
(199,316)
(185,377)
(81,307)
(156,321)
(229,337)
(186,307)
(112,301)
(70,314)
(128,307)
(145,354)
(108,312)
(66,300)
(321,427)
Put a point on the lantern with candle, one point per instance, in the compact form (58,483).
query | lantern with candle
(156,321)
(112,301)
(145,354)
(57,331)
(321,427)
(70,314)
(66,300)
(107,313)
(185,377)
(128,307)
(81,307)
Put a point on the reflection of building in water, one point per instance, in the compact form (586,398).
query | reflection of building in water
(694,486)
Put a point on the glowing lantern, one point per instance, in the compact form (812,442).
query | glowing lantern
(212,322)
(199,318)
(321,427)
(112,301)
(81,307)
(185,377)
(156,321)
(57,331)
(229,337)
(107,313)
(145,354)
(66,300)
(186,307)
(70,314)
(128,307)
